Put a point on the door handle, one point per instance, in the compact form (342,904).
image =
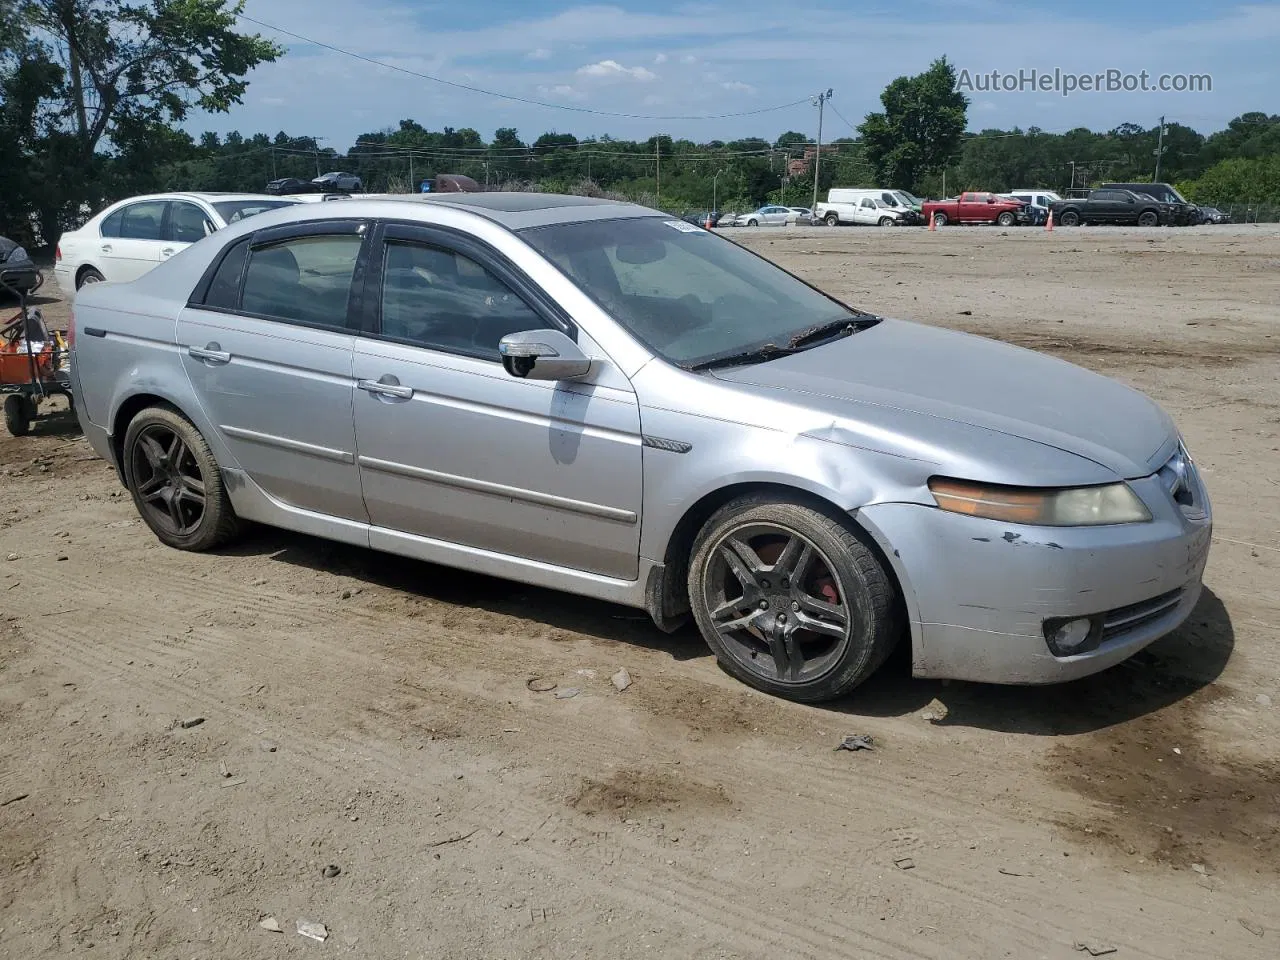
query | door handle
(106,248)
(167,252)
(386,386)
(210,353)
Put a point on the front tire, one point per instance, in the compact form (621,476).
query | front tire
(17,415)
(89,275)
(175,482)
(886,221)
(790,600)
(1006,219)
(1148,218)
(753,223)
(939,219)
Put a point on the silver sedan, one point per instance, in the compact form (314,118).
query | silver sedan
(596,397)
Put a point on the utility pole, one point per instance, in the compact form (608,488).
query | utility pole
(1073,175)
(657,168)
(274,175)
(819,102)
(413,187)
(1159,148)
(714,209)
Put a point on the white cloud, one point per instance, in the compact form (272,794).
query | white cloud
(660,58)
(688,58)
(737,86)
(542,53)
(612,68)
(562,90)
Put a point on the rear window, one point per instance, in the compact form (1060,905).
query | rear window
(233,211)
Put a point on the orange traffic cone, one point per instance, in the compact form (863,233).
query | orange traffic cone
(709,224)
(1048,224)
(933,224)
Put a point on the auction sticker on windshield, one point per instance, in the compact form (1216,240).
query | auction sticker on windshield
(683,227)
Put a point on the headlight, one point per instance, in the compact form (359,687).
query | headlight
(1070,507)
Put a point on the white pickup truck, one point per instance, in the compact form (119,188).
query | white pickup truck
(872,207)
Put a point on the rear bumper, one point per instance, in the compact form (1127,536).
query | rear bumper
(979,592)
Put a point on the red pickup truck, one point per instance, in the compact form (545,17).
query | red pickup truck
(977,208)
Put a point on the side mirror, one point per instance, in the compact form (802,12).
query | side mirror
(543,355)
(991,199)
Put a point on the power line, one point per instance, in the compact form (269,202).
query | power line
(512,97)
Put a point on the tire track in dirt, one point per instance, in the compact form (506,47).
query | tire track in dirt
(257,660)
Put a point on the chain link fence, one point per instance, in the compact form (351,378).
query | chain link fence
(1252,212)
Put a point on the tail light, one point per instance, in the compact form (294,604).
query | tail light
(57,254)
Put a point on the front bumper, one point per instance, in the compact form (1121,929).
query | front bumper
(978,592)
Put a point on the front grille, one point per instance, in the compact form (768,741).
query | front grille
(1116,623)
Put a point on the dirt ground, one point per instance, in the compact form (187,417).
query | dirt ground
(373,713)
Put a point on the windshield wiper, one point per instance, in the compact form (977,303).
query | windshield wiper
(828,331)
(769,351)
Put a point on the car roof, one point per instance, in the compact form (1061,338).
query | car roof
(515,211)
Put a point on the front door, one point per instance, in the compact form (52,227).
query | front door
(269,358)
(452,448)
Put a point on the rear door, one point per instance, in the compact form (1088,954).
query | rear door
(267,344)
(130,244)
(452,448)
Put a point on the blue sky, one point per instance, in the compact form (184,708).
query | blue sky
(730,56)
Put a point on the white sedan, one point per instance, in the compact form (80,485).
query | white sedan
(129,238)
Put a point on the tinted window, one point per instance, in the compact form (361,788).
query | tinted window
(307,280)
(441,299)
(686,293)
(224,290)
(187,223)
(234,210)
(888,199)
(110,227)
(142,220)
(868,203)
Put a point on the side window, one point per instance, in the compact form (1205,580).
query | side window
(142,220)
(868,203)
(110,227)
(224,289)
(187,223)
(437,298)
(305,280)
(888,199)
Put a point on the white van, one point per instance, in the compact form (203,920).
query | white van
(1034,195)
(874,207)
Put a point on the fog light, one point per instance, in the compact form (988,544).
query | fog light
(1072,634)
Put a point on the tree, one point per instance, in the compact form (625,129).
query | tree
(920,127)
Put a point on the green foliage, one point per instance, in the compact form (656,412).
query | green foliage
(920,127)
(1238,180)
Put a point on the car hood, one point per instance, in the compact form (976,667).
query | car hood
(975,381)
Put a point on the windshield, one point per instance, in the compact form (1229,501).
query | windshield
(687,294)
(234,210)
(907,198)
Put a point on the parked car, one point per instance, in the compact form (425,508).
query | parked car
(971,207)
(1034,196)
(1182,212)
(131,237)
(348,182)
(1037,215)
(803,215)
(1213,215)
(768,216)
(874,207)
(18,269)
(289,186)
(1113,206)
(684,427)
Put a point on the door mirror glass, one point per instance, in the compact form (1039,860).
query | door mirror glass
(543,355)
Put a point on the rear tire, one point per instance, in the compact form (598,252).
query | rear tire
(17,415)
(832,220)
(790,599)
(88,275)
(176,485)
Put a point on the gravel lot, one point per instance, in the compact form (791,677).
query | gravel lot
(372,713)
